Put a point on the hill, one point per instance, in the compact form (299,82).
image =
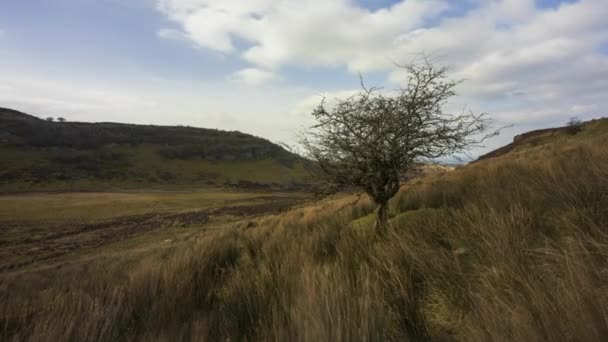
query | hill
(510,248)
(545,136)
(37,154)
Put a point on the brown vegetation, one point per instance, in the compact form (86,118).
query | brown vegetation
(508,249)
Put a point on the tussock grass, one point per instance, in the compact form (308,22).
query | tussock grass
(513,248)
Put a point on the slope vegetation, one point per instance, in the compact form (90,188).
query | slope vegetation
(40,155)
(547,135)
(512,248)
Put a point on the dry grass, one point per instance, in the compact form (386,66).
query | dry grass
(87,206)
(514,248)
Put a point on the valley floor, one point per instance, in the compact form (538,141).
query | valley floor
(50,239)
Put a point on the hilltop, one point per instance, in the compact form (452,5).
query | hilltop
(548,136)
(37,154)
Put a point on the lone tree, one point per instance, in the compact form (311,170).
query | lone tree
(61,119)
(370,140)
(574,125)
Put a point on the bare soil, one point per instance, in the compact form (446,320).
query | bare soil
(24,244)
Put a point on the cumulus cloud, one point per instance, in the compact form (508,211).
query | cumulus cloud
(514,56)
(341,32)
(291,32)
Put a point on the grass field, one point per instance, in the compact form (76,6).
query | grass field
(47,238)
(86,206)
(513,248)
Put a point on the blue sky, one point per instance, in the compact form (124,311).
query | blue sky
(87,36)
(260,65)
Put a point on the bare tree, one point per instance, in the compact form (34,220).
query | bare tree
(370,140)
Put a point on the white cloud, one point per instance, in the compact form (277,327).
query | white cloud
(313,32)
(511,53)
(253,76)
(530,67)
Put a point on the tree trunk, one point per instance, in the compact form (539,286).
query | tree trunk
(382,219)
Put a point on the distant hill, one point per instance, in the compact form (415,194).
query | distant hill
(544,137)
(37,154)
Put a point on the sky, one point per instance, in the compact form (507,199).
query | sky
(260,66)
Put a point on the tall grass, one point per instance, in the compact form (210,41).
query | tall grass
(514,248)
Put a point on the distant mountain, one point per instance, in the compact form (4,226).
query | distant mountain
(37,154)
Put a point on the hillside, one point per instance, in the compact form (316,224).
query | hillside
(37,154)
(557,135)
(510,248)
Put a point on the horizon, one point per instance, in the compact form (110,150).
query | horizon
(260,67)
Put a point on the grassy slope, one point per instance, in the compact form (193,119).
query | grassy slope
(554,136)
(39,155)
(509,248)
(147,171)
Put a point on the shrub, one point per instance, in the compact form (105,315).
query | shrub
(574,125)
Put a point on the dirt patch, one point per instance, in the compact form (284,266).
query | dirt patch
(256,209)
(24,244)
